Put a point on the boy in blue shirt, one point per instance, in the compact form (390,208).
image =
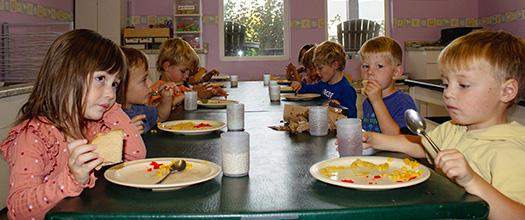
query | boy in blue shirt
(330,60)
(384,107)
(135,93)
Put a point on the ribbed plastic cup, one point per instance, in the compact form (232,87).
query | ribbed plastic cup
(349,137)
(318,120)
(235,116)
(190,100)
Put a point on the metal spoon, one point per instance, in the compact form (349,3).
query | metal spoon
(417,125)
(180,165)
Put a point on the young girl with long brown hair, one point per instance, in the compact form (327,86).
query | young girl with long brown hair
(73,99)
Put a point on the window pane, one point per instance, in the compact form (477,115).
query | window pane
(254,27)
(337,13)
(373,10)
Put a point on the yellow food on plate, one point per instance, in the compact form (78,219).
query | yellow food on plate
(218,101)
(366,172)
(286,89)
(189,126)
(217,84)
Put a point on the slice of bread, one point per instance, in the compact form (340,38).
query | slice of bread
(109,146)
(364,83)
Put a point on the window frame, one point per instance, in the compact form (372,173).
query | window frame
(286,43)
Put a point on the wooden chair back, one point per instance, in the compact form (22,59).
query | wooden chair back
(353,33)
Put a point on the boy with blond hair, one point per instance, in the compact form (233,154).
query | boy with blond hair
(330,59)
(176,61)
(135,93)
(384,106)
(483,75)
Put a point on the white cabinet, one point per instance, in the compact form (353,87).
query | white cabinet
(421,63)
(9,107)
(107,17)
(188,21)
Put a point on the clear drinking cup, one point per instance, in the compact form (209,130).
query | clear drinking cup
(266,79)
(234,81)
(190,100)
(235,151)
(349,137)
(235,116)
(318,120)
(275,93)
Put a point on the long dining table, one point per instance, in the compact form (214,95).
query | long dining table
(279,185)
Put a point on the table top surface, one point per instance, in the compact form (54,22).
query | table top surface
(279,184)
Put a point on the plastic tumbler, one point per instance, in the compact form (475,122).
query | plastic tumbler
(266,79)
(275,93)
(235,151)
(349,137)
(235,116)
(234,81)
(318,120)
(190,100)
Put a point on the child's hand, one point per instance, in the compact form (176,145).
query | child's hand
(166,92)
(138,122)
(367,139)
(177,100)
(454,165)
(373,90)
(296,86)
(82,160)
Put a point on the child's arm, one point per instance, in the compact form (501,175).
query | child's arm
(454,165)
(408,144)
(164,107)
(301,87)
(386,122)
(34,189)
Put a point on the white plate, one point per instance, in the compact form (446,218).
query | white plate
(301,97)
(359,180)
(216,125)
(135,174)
(216,103)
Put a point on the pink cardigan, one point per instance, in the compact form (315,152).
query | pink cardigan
(37,156)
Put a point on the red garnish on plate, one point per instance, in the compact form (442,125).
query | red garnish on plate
(202,125)
(155,165)
(411,178)
(377,176)
(347,181)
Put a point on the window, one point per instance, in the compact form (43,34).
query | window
(342,10)
(254,30)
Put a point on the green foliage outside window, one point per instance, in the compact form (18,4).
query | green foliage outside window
(263,22)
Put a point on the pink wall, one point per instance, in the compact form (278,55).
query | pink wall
(311,9)
(252,70)
(429,9)
(145,8)
(490,8)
